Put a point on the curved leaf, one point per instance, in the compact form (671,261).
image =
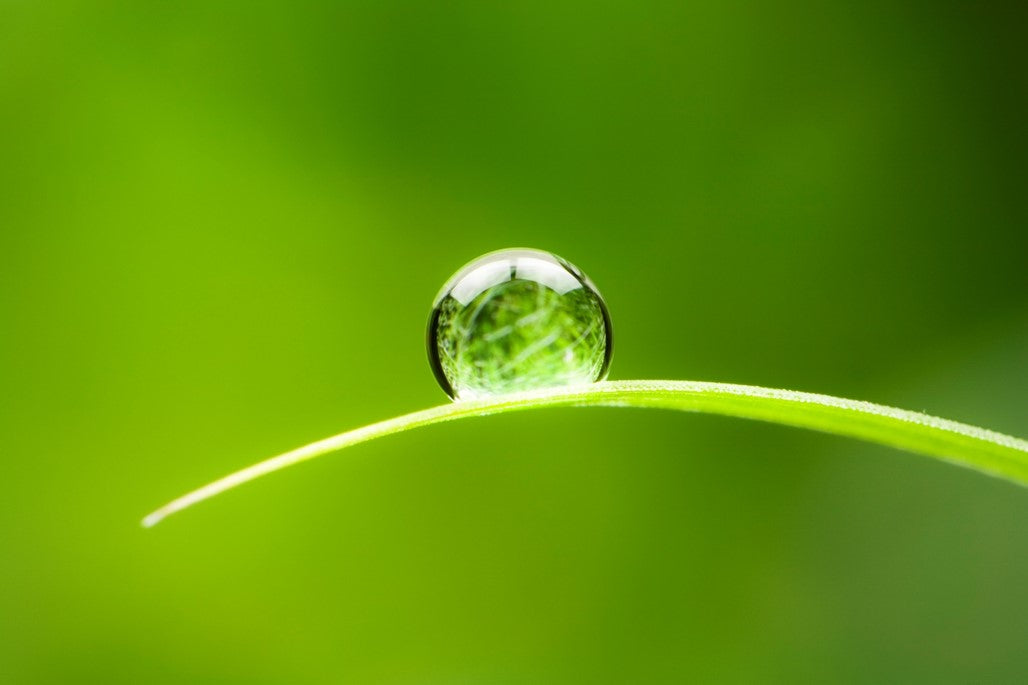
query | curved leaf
(993,453)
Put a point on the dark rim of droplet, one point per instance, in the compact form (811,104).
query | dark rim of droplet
(432,338)
(433,353)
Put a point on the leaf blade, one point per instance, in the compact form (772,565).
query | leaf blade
(983,450)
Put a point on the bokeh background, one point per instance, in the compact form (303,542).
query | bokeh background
(221,229)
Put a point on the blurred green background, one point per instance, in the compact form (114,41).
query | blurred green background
(221,230)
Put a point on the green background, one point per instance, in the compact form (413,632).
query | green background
(221,230)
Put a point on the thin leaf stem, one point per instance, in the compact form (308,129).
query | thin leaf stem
(983,450)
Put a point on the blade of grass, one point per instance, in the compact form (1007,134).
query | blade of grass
(983,450)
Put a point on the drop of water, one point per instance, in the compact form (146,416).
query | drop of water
(518,320)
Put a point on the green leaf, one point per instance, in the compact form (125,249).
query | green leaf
(983,450)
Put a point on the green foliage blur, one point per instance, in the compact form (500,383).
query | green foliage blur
(221,229)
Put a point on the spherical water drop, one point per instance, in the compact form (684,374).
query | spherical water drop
(518,320)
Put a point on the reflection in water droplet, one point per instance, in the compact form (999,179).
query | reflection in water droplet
(517,320)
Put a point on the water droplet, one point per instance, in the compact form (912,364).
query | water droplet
(518,320)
